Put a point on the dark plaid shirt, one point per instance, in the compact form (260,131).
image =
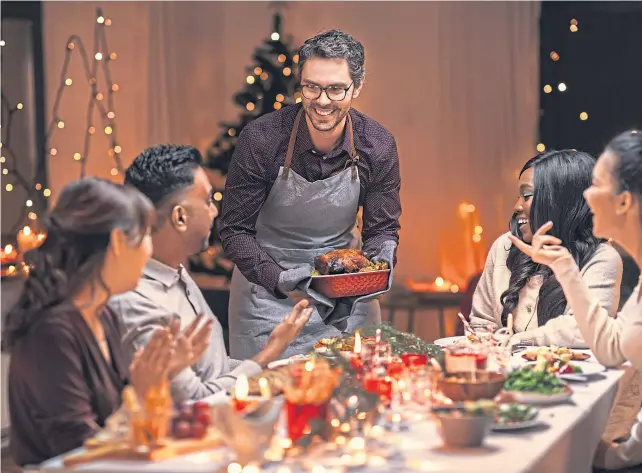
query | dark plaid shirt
(260,152)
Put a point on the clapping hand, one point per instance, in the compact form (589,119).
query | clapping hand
(544,249)
(190,344)
(151,364)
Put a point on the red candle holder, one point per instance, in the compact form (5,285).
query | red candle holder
(300,418)
(395,368)
(414,360)
(239,405)
(379,385)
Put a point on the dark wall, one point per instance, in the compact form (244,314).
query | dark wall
(601,65)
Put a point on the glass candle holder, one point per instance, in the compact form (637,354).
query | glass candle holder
(307,394)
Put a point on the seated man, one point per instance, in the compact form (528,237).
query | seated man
(173,179)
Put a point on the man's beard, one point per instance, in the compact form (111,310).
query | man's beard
(317,121)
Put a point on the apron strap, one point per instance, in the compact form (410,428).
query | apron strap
(354,157)
(290,151)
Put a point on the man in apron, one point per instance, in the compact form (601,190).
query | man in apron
(295,185)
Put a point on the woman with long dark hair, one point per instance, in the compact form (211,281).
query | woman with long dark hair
(67,368)
(615,199)
(550,189)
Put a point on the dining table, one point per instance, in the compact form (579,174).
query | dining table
(564,441)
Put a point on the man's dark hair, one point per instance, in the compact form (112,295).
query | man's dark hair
(162,170)
(335,44)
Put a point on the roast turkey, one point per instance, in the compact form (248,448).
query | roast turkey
(341,261)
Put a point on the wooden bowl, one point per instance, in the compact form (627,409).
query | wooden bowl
(462,387)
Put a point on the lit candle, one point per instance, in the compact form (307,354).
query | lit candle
(264,386)
(9,254)
(357,343)
(28,240)
(241,392)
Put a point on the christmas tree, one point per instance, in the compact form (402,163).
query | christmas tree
(270,85)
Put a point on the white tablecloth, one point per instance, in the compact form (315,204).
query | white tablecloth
(565,443)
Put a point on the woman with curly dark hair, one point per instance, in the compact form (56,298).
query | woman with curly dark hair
(550,189)
(67,368)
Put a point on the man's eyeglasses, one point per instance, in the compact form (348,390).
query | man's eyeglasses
(334,93)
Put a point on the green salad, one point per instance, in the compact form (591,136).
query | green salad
(528,380)
(515,413)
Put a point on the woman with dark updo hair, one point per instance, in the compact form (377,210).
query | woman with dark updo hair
(67,368)
(615,200)
(550,189)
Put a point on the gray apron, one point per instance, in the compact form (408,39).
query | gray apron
(299,221)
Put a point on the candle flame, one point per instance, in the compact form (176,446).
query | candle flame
(265,388)
(242,388)
(357,343)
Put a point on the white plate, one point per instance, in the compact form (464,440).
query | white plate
(538,399)
(444,342)
(287,361)
(516,425)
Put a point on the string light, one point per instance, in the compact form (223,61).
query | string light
(258,71)
(114,172)
(218,196)
(231,132)
(56,124)
(583,116)
(277,106)
(554,56)
(561,87)
(264,76)
(541,148)
(2,43)
(295,59)
(573,28)
(281,58)
(275,36)
(287,71)
(117,149)
(249,79)
(548,89)
(250,106)
(280,98)
(107,22)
